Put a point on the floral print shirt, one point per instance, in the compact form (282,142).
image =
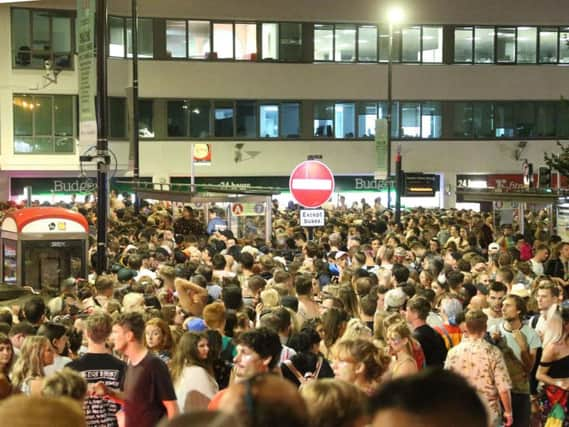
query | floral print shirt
(483,366)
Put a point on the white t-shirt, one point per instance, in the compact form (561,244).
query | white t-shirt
(194,378)
(58,364)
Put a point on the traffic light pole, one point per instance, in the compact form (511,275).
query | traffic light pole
(102,158)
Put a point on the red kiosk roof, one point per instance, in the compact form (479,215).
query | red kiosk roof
(24,216)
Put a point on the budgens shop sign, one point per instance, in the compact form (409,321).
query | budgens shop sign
(46,186)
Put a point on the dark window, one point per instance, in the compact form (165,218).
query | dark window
(223,119)
(145,118)
(246,119)
(483,118)
(290,119)
(42,35)
(545,119)
(200,119)
(290,39)
(504,120)
(324,119)
(462,123)
(524,117)
(178,118)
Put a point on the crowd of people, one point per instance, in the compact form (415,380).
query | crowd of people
(443,319)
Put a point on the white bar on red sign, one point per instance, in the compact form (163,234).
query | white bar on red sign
(311,184)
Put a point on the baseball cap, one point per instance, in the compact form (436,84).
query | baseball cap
(196,324)
(395,298)
(125,274)
(340,254)
(520,290)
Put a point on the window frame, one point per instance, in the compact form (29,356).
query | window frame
(71,14)
(53,134)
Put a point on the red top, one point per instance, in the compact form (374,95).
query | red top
(24,216)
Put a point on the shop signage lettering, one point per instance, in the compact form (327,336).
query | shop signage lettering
(77,186)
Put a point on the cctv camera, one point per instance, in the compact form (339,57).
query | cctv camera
(47,64)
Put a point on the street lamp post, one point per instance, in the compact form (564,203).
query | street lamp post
(394,17)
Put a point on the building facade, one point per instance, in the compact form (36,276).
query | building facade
(476,88)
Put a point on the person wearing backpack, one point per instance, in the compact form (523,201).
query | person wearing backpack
(308,363)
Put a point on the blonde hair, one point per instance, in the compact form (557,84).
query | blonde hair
(270,298)
(375,359)
(356,329)
(133,302)
(52,411)
(65,383)
(30,361)
(333,402)
(401,330)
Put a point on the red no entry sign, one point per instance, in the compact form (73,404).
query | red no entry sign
(311,184)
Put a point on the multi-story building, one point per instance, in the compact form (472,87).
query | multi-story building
(477,87)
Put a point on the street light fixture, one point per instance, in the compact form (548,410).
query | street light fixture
(395,16)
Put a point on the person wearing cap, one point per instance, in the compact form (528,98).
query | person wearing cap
(519,344)
(394,300)
(493,248)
